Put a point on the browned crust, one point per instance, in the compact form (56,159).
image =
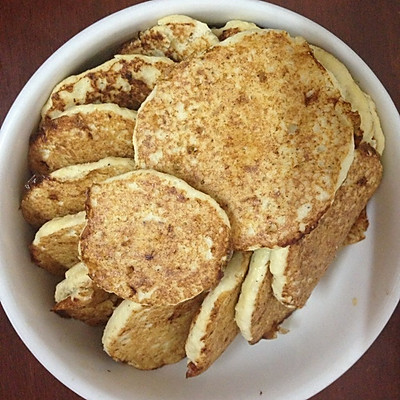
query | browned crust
(107,89)
(227,33)
(279,164)
(309,259)
(46,197)
(80,138)
(57,252)
(358,229)
(164,344)
(163,40)
(268,313)
(220,332)
(94,311)
(192,370)
(129,253)
(221,328)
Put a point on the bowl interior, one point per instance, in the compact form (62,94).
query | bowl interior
(329,331)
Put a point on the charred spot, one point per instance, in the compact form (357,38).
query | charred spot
(133,289)
(38,134)
(228,33)
(53,196)
(191,149)
(262,76)
(311,96)
(127,75)
(362,181)
(149,256)
(175,315)
(358,136)
(251,168)
(367,149)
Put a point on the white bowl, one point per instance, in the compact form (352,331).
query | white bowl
(325,338)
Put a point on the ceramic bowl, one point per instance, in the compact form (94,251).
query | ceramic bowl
(324,339)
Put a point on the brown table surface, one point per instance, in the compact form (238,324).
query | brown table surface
(31,31)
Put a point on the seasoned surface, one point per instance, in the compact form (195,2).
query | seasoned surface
(55,247)
(79,298)
(257,124)
(63,192)
(310,257)
(258,312)
(232,28)
(176,36)
(358,229)
(214,327)
(82,134)
(125,80)
(153,239)
(127,337)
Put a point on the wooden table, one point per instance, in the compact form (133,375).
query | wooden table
(31,31)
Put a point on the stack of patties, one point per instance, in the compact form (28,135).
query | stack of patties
(160,245)
(84,137)
(214,173)
(261,126)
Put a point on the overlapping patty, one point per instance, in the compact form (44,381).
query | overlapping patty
(257,124)
(153,239)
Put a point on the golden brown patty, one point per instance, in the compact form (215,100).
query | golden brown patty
(82,134)
(176,36)
(308,259)
(358,229)
(214,327)
(125,80)
(361,102)
(128,338)
(79,298)
(257,124)
(63,192)
(55,247)
(153,239)
(232,28)
(258,312)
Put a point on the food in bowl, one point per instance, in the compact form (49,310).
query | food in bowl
(272,130)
